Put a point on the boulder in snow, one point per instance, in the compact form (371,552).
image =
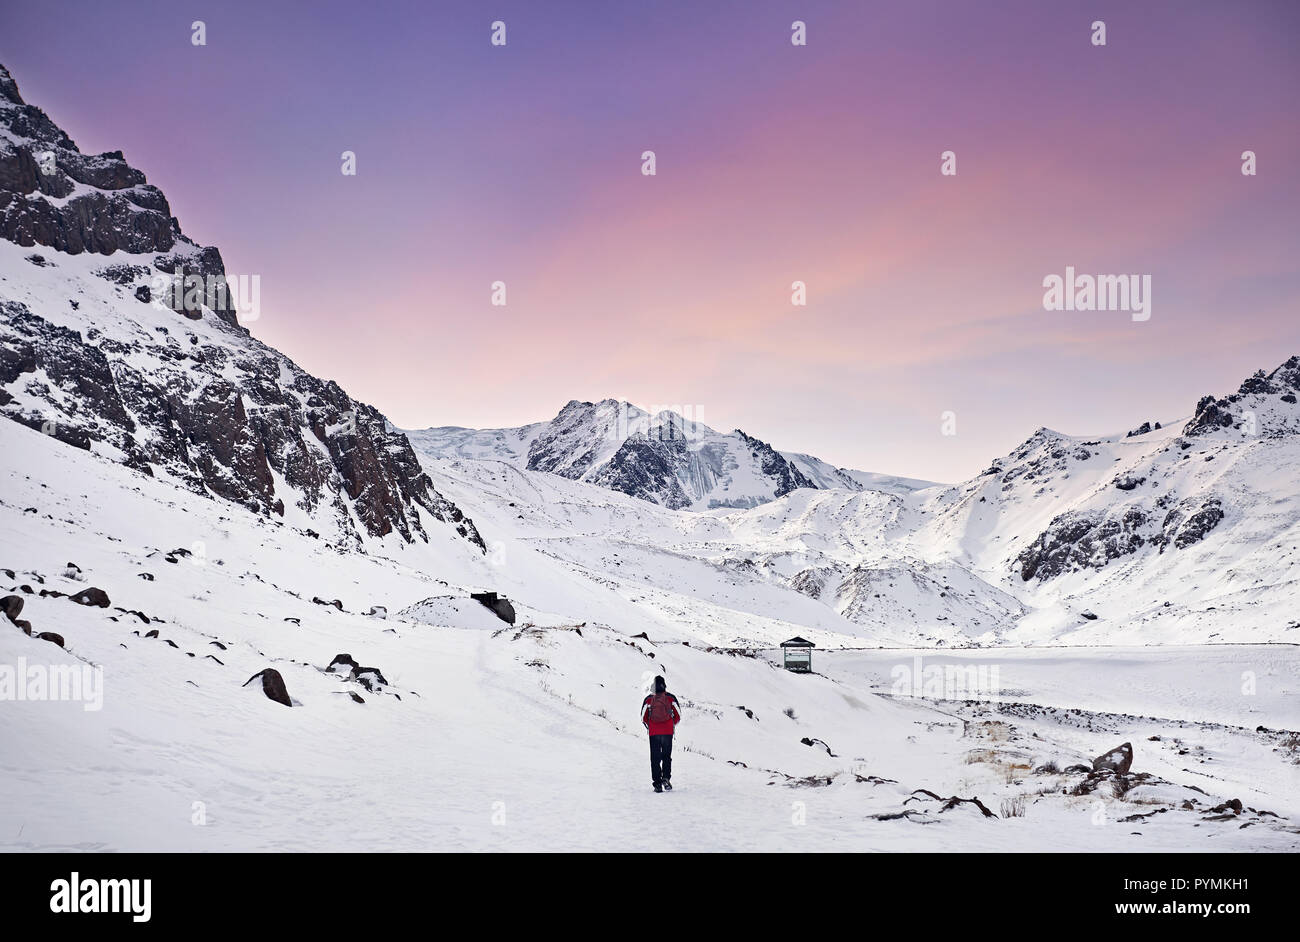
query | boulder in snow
(91,596)
(12,606)
(1118,760)
(272,685)
(499,605)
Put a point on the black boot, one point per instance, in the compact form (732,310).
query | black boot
(658,787)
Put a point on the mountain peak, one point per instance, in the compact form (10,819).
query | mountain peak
(1264,403)
(159,384)
(8,87)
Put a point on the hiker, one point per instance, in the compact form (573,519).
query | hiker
(659,714)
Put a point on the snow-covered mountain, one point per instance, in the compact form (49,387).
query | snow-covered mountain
(169,383)
(1181,533)
(663,458)
(1187,529)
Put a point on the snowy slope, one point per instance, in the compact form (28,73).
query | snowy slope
(525,737)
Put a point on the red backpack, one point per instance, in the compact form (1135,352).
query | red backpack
(661,708)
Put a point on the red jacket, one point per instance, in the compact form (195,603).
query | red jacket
(664,728)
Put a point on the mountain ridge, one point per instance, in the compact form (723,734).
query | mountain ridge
(661,457)
(172,384)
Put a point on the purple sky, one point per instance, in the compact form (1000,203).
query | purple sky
(775,163)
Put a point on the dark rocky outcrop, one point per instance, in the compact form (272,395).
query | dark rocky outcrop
(11,606)
(1213,414)
(51,636)
(272,685)
(40,168)
(1188,522)
(1143,429)
(1076,540)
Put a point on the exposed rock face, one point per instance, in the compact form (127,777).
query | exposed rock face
(775,466)
(1074,541)
(811,582)
(218,411)
(1258,407)
(1189,522)
(11,606)
(51,194)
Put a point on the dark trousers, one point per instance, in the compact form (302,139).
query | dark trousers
(661,754)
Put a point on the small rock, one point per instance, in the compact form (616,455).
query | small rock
(12,606)
(1232,805)
(1119,760)
(370,678)
(91,596)
(58,639)
(272,685)
(344,661)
